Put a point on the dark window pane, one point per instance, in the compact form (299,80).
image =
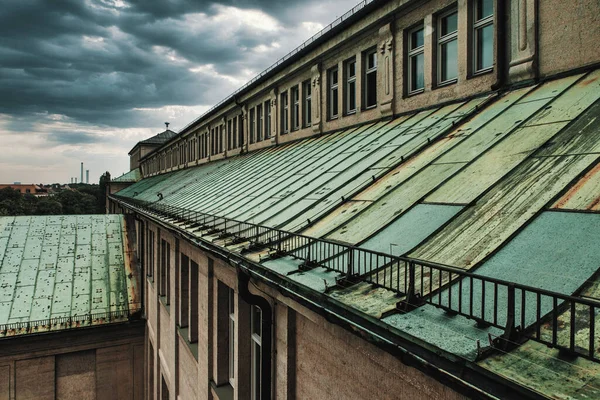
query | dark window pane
(257,370)
(417,39)
(485,8)
(485,47)
(352,96)
(449,60)
(351,69)
(417,72)
(449,24)
(334,102)
(334,77)
(371,99)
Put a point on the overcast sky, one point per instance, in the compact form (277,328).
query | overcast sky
(84,80)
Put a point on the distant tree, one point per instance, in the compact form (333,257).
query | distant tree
(48,206)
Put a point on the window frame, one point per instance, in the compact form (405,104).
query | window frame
(348,81)
(252,127)
(259,122)
(367,72)
(231,337)
(295,97)
(285,109)
(333,91)
(412,53)
(307,103)
(477,26)
(267,122)
(444,40)
(256,353)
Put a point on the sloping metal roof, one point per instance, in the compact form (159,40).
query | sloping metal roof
(467,185)
(59,272)
(128,177)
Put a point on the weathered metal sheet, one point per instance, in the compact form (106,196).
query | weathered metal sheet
(488,169)
(390,206)
(584,194)
(411,228)
(509,205)
(59,267)
(540,368)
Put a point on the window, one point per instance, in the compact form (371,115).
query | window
(165,263)
(267,106)
(252,139)
(259,123)
(241,131)
(483,35)
(229,135)
(184,286)
(284,113)
(448,47)
(231,338)
(295,108)
(306,92)
(350,98)
(256,352)
(150,271)
(370,78)
(221,134)
(332,79)
(193,299)
(234,135)
(416,71)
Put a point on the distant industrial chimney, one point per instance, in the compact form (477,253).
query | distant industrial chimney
(87,176)
(167,124)
(81,173)
(75,180)
(71,180)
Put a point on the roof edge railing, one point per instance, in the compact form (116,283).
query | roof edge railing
(521,311)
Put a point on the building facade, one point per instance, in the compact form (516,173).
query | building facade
(347,225)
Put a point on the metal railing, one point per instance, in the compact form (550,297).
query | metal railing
(69,322)
(557,320)
(283,59)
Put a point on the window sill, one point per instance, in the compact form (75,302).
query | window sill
(348,113)
(222,392)
(482,72)
(447,83)
(370,107)
(415,92)
(333,118)
(150,281)
(183,333)
(163,301)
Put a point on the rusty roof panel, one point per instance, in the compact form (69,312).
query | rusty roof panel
(584,194)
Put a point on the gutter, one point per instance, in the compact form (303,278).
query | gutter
(461,375)
(500,47)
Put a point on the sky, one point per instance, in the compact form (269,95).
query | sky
(85,80)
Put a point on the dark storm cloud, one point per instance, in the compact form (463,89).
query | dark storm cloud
(96,61)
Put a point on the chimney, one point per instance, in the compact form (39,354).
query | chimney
(167,125)
(81,173)
(87,176)
(75,180)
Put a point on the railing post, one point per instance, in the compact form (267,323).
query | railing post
(410,290)
(350,271)
(279,242)
(509,336)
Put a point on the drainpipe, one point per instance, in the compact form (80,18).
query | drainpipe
(501,63)
(266,329)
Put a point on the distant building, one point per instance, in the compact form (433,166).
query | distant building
(144,147)
(36,190)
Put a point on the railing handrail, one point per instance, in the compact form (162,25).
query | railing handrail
(346,259)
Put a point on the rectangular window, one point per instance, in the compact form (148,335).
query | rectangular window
(483,35)
(447,47)
(256,353)
(267,106)
(234,135)
(416,58)
(229,135)
(307,93)
(221,134)
(165,263)
(285,110)
(370,78)
(332,79)
(150,271)
(251,122)
(295,108)
(241,130)
(259,123)
(231,337)
(193,302)
(350,78)
(184,286)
